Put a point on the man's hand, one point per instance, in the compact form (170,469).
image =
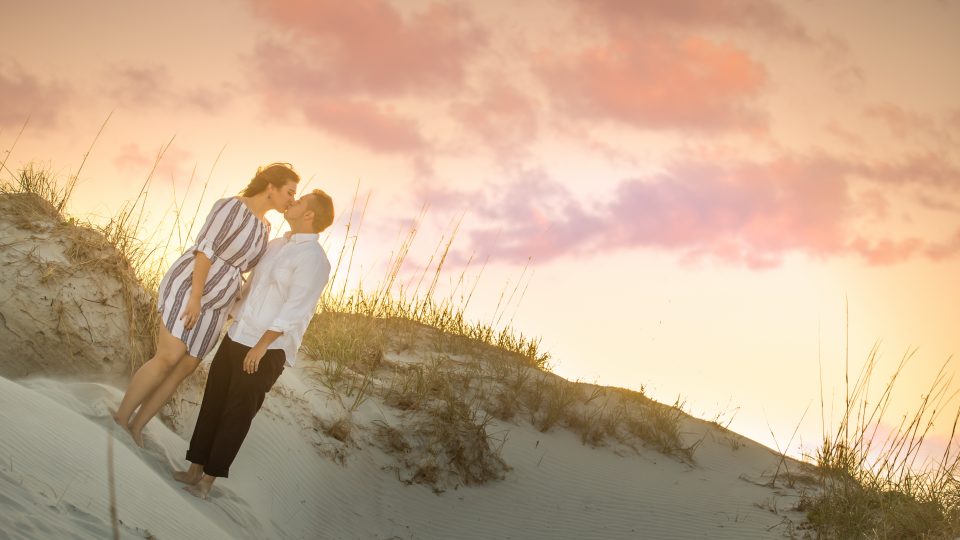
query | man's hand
(191,313)
(252,361)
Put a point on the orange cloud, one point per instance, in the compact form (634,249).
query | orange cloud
(658,82)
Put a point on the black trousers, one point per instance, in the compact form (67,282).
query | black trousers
(231,399)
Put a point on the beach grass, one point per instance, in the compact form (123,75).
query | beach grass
(870,484)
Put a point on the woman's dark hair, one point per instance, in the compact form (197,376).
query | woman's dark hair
(277,174)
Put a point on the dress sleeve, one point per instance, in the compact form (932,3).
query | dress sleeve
(216,227)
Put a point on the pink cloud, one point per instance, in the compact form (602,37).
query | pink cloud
(538,218)
(761,15)
(174,166)
(766,18)
(898,120)
(286,83)
(130,85)
(750,214)
(838,64)
(953,120)
(370,46)
(940,204)
(502,117)
(24,94)
(341,63)
(379,128)
(923,168)
(843,134)
(152,86)
(208,99)
(945,250)
(657,82)
(886,251)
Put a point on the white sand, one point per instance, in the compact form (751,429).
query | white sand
(287,482)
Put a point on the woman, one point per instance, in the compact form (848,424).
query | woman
(197,292)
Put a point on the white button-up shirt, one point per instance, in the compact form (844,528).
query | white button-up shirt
(282,293)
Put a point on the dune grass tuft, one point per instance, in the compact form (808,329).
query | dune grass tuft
(872,488)
(112,249)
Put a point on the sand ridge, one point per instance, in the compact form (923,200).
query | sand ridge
(284,485)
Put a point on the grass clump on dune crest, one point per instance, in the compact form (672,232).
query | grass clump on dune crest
(391,300)
(873,488)
(111,250)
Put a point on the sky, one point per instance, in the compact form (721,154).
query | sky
(722,202)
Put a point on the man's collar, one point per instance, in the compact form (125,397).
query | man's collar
(301,237)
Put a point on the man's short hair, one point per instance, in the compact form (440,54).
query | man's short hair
(322,206)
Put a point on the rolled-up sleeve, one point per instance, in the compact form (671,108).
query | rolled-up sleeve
(310,276)
(215,228)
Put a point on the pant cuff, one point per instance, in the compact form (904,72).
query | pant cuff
(194,457)
(219,473)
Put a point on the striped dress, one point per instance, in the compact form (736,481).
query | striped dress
(234,240)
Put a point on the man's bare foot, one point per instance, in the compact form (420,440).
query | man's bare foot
(202,488)
(190,476)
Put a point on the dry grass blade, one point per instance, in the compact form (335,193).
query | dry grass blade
(868,490)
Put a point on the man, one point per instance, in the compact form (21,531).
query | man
(270,319)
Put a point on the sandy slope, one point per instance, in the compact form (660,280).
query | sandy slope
(72,315)
(287,482)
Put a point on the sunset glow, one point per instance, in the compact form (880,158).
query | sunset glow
(681,196)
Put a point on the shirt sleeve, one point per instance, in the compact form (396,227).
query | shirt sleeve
(215,228)
(309,278)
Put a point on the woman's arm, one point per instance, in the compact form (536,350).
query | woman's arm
(214,231)
(201,267)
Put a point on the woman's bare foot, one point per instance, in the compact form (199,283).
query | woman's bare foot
(137,436)
(119,421)
(202,488)
(190,476)
(136,430)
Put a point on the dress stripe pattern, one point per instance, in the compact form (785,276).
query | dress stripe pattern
(234,240)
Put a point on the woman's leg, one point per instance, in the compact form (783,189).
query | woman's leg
(155,401)
(150,375)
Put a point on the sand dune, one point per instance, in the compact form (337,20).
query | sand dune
(285,485)
(412,461)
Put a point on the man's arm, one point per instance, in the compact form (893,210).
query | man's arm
(252,361)
(310,276)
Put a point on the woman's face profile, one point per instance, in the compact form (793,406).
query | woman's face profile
(284,197)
